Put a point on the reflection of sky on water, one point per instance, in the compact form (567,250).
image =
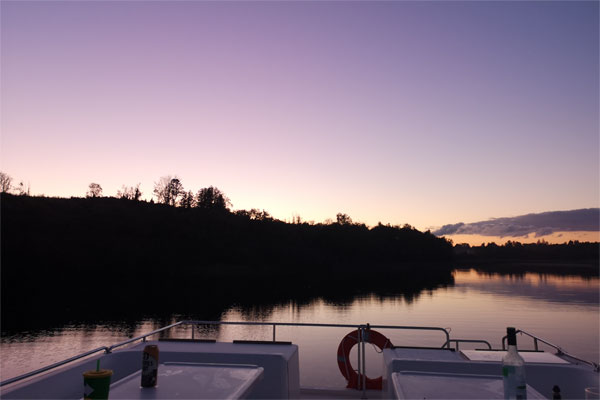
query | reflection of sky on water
(550,288)
(563,310)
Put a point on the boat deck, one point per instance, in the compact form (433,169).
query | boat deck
(543,370)
(270,369)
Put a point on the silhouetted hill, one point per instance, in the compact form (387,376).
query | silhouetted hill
(78,252)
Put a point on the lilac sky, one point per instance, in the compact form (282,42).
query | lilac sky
(426,113)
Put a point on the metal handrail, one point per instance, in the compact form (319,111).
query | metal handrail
(198,322)
(143,337)
(535,341)
(457,341)
(106,349)
(52,366)
(559,350)
(423,328)
(357,326)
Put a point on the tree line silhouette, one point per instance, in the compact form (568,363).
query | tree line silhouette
(82,253)
(542,250)
(573,257)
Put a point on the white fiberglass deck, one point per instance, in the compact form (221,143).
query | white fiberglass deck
(528,356)
(543,370)
(279,362)
(192,381)
(434,385)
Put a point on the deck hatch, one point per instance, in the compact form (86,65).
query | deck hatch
(496,356)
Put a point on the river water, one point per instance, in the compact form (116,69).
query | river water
(564,310)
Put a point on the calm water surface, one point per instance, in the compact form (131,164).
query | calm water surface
(562,310)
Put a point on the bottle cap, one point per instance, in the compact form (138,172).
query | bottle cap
(512,336)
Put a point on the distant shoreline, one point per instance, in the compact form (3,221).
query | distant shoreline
(560,267)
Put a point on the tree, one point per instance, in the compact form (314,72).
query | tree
(187,200)
(343,219)
(130,193)
(137,193)
(95,190)
(212,198)
(175,190)
(255,214)
(161,190)
(5,182)
(23,189)
(168,189)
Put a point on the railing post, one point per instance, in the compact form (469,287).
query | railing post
(193,329)
(364,364)
(535,344)
(274,326)
(359,338)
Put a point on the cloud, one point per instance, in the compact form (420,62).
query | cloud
(449,229)
(587,219)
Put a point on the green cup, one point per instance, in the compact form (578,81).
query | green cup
(96,384)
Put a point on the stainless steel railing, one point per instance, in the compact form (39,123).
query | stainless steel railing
(109,349)
(458,341)
(106,349)
(52,366)
(558,349)
(355,326)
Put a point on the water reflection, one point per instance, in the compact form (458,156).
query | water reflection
(551,288)
(210,302)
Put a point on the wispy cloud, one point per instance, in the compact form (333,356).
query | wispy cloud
(587,219)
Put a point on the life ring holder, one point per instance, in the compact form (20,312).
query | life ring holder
(343,357)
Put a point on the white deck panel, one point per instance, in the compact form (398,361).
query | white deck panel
(528,356)
(281,377)
(422,354)
(280,362)
(191,381)
(431,385)
(542,376)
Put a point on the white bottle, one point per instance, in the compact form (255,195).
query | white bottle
(513,370)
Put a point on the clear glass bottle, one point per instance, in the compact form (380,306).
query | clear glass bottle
(513,370)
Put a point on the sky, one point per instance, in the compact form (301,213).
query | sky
(428,113)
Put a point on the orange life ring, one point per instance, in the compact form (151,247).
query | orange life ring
(343,357)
